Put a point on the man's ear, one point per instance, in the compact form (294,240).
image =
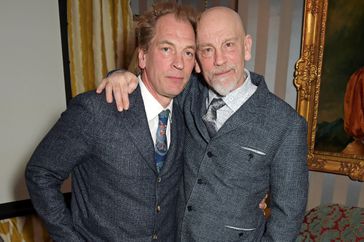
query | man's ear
(247,47)
(197,67)
(141,58)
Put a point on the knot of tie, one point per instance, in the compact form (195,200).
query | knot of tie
(161,147)
(210,117)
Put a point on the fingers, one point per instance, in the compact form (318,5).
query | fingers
(124,97)
(102,86)
(117,87)
(132,84)
(107,86)
(109,92)
(118,95)
(262,205)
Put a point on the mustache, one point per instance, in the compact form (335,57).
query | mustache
(224,68)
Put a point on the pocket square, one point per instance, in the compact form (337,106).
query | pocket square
(240,229)
(253,150)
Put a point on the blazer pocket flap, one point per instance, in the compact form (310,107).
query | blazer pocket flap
(253,150)
(238,228)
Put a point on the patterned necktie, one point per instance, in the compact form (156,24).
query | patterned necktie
(210,117)
(161,140)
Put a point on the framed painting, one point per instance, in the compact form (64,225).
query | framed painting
(329,77)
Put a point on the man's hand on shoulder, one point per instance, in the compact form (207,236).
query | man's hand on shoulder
(118,85)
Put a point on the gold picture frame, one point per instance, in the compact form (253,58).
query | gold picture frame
(307,79)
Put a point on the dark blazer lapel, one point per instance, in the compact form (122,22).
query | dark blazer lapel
(198,109)
(249,112)
(176,140)
(137,123)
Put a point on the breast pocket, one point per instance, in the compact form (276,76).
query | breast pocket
(246,159)
(241,230)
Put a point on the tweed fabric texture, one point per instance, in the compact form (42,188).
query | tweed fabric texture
(261,148)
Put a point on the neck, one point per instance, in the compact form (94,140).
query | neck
(163,100)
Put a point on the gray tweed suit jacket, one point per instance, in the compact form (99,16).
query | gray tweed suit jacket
(115,186)
(260,149)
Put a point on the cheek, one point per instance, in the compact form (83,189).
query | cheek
(189,66)
(207,66)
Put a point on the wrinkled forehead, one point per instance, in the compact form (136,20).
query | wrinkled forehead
(219,24)
(219,18)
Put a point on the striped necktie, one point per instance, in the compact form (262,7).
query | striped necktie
(210,117)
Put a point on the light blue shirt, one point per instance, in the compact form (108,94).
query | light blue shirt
(234,100)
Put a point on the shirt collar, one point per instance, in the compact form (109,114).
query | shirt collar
(152,106)
(238,97)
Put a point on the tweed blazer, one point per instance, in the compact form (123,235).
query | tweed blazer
(261,148)
(117,194)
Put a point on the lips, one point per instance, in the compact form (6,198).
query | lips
(176,78)
(221,73)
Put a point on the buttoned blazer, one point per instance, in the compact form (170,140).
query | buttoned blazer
(260,149)
(117,194)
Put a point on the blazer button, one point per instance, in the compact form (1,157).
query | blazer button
(158,209)
(154,237)
(209,154)
(159,179)
(189,208)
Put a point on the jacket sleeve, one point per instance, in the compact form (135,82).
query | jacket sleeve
(63,148)
(289,185)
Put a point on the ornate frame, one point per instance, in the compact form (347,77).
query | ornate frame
(307,79)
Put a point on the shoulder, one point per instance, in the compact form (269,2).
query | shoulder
(194,87)
(277,109)
(92,103)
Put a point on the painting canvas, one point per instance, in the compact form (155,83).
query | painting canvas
(343,56)
(329,77)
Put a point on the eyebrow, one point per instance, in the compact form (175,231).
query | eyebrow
(170,43)
(209,44)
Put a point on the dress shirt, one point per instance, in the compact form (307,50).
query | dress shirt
(234,100)
(152,109)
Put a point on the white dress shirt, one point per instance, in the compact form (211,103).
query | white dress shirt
(152,109)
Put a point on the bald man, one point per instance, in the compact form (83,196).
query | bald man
(241,143)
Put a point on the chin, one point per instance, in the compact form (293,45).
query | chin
(222,90)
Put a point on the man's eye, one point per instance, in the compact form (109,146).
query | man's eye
(190,53)
(207,51)
(229,44)
(165,49)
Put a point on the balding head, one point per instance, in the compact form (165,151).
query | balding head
(222,49)
(220,16)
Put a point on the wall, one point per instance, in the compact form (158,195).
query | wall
(32,87)
(32,93)
(276,27)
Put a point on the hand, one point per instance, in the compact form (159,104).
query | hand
(119,85)
(263,206)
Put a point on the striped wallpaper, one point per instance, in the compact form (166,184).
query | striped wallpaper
(276,26)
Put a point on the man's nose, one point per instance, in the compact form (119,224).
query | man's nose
(178,62)
(220,58)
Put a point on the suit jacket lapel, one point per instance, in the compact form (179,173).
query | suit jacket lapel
(249,112)
(199,109)
(137,123)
